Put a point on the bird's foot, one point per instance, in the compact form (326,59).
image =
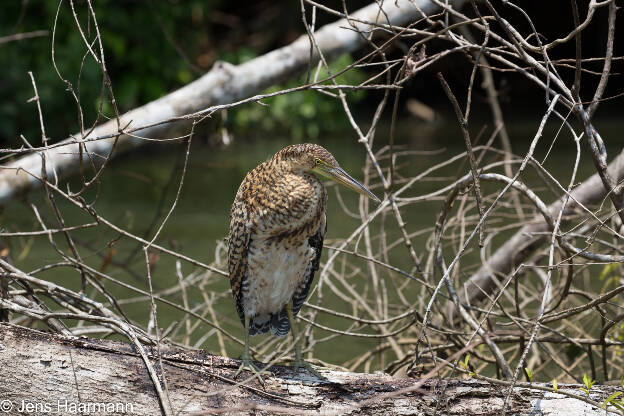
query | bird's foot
(300,363)
(247,364)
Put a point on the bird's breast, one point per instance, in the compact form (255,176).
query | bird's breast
(276,269)
(281,217)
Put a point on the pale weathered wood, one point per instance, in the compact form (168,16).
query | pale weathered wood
(223,84)
(531,236)
(40,369)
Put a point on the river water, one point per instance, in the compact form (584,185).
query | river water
(131,196)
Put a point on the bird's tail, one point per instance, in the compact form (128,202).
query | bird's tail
(277,323)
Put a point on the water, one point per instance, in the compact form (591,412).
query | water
(131,195)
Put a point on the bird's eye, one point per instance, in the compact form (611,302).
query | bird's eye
(317,161)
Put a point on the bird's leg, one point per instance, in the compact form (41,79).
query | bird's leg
(299,362)
(247,363)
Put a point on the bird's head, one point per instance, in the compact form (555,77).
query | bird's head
(316,159)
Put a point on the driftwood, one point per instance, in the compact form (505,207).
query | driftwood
(44,373)
(224,84)
(531,236)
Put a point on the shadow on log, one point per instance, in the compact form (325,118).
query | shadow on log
(44,373)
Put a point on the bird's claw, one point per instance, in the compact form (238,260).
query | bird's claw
(301,364)
(247,364)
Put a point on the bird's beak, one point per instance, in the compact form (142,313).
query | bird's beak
(342,177)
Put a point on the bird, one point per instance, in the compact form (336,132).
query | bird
(277,227)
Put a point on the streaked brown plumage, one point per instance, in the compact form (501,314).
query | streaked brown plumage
(277,227)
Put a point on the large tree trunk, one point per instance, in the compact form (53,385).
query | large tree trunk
(224,84)
(50,373)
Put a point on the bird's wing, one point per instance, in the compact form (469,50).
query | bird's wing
(238,246)
(316,242)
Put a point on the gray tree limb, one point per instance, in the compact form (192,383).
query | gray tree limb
(224,84)
(63,373)
(531,236)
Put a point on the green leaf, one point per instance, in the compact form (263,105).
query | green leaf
(609,399)
(529,373)
(618,404)
(588,381)
(554,383)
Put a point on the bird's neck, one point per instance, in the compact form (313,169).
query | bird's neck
(302,198)
(284,167)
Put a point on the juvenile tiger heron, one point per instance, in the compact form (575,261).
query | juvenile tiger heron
(277,227)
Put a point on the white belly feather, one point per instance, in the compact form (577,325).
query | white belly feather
(275,271)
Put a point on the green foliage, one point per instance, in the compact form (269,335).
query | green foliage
(304,114)
(554,384)
(151,49)
(613,400)
(588,382)
(141,63)
(529,373)
(465,365)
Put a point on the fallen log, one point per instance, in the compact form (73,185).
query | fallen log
(224,84)
(531,237)
(44,373)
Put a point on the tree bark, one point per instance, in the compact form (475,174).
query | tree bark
(49,373)
(224,84)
